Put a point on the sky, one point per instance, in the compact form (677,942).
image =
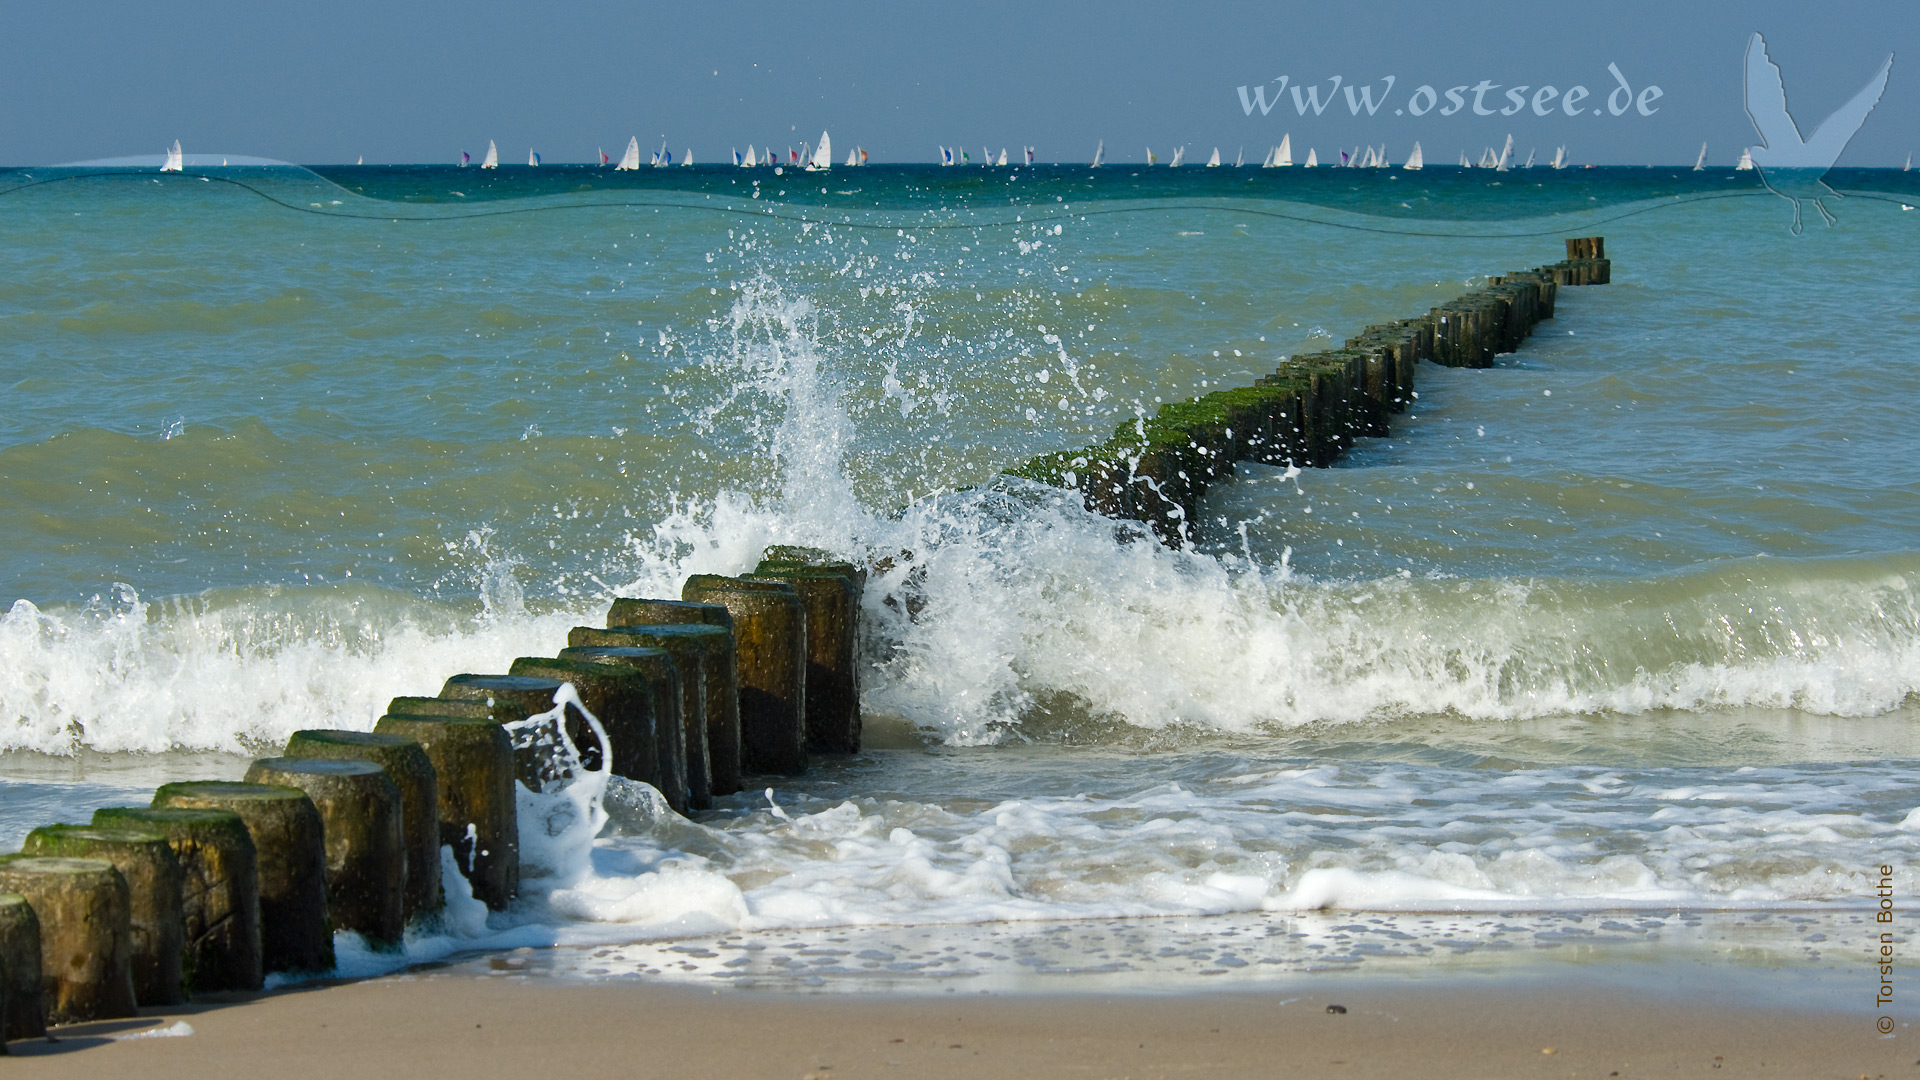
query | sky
(407,81)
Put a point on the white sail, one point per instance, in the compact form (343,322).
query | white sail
(1908,167)
(1745,163)
(1003,156)
(1415,161)
(1312,161)
(175,160)
(492,160)
(1179,155)
(853,156)
(1284,156)
(1506,156)
(631,159)
(1099,153)
(1560,158)
(1151,160)
(1214,161)
(822,154)
(688,160)
(749,161)
(1700,163)
(1240,157)
(1529,163)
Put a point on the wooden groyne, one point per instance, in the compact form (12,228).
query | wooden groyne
(1308,412)
(217,884)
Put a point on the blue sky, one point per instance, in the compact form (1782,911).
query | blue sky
(401,81)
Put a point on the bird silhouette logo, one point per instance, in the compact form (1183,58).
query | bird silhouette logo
(1792,165)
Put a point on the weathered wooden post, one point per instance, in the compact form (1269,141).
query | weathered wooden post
(512,698)
(24,1013)
(408,766)
(641,611)
(770,639)
(706,629)
(682,678)
(641,715)
(290,859)
(155,901)
(86,935)
(220,898)
(830,589)
(366,845)
(473,769)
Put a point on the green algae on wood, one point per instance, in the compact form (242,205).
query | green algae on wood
(152,871)
(408,766)
(366,852)
(473,767)
(220,898)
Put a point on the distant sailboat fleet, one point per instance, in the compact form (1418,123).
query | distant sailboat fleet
(819,157)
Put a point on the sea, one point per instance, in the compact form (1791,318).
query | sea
(1608,658)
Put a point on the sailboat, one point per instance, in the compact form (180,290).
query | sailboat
(1560,158)
(1151,160)
(175,161)
(1506,156)
(1414,161)
(688,159)
(853,157)
(822,155)
(946,156)
(629,161)
(1099,153)
(1284,156)
(466,159)
(1312,161)
(492,160)
(1003,156)
(1745,164)
(1029,153)
(1240,157)
(1700,163)
(1214,161)
(1908,167)
(746,162)
(964,159)
(1529,163)
(1344,159)
(863,155)
(361,160)
(1380,158)
(533,158)
(662,157)
(1179,155)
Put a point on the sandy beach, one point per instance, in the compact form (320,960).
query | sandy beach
(445,1025)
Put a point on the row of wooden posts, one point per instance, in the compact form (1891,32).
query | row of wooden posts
(218,884)
(1308,412)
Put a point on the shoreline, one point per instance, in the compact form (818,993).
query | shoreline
(443,1023)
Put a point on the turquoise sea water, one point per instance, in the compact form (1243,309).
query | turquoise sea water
(1629,620)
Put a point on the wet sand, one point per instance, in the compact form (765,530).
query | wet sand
(456,1025)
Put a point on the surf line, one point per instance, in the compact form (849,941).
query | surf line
(1308,412)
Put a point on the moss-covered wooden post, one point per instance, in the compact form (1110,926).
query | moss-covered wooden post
(154,897)
(831,591)
(645,611)
(677,677)
(220,896)
(290,856)
(641,715)
(86,935)
(366,846)
(408,766)
(770,641)
(24,1015)
(712,637)
(513,698)
(473,770)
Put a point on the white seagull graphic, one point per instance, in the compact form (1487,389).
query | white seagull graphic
(1791,165)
